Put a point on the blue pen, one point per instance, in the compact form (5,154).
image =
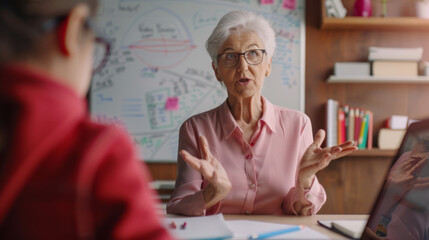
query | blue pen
(275,233)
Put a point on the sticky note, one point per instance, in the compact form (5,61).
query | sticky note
(263,2)
(172,104)
(289,4)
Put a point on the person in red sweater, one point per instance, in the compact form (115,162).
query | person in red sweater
(61,175)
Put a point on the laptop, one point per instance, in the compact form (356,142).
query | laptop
(401,210)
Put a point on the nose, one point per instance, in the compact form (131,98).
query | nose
(242,65)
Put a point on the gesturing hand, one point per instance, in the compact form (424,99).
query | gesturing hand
(316,158)
(403,175)
(211,169)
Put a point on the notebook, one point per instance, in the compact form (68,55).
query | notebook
(401,210)
(349,228)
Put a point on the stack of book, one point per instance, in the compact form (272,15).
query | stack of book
(345,123)
(390,136)
(395,61)
(385,62)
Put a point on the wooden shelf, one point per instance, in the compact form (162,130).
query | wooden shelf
(378,79)
(375,23)
(372,23)
(375,152)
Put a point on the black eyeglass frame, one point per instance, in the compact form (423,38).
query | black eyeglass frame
(53,23)
(244,55)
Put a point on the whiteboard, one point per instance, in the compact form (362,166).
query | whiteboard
(159,59)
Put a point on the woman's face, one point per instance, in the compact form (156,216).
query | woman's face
(243,80)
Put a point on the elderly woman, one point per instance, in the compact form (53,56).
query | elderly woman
(248,156)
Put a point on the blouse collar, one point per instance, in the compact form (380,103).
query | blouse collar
(228,123)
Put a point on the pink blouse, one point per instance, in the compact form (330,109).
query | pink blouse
(263,172)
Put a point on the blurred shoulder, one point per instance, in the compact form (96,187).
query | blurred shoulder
(105,136)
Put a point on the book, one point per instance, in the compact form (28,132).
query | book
(411,121)
(370,129)
(352,69)
(397,122)
(351,126)
(349,228)
(395,68)
(358,122)
(331,122)
(341,126)
(363,136)
(386,53)
(346,121)
(390,138)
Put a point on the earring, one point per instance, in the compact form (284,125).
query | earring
(267,74)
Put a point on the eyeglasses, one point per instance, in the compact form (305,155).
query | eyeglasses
(102,46)
(252,57)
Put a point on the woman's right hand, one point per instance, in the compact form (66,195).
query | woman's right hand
(211,169)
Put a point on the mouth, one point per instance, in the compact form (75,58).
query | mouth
(243,80)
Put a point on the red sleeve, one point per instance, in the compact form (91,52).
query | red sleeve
(124,206)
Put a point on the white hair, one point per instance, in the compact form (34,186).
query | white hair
(243,21)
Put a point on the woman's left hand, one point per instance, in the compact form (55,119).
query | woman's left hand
(316,158)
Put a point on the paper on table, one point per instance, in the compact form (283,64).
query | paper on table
(207,227)
(242,229)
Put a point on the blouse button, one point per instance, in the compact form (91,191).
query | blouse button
(252,144)
(252,186)
(249,156)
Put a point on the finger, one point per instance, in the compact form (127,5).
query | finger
(325,161)
(419,165)
(205,151)
(312,169)
(421,186)
(347,144)
(346,151)
(207,170)
(422,180)
(318,139)
(335,150)
(194,162)
(215,177)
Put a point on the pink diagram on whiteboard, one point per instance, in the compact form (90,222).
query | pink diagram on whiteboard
(159,38)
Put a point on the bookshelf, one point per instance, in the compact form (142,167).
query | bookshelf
(353,182)
(378,79)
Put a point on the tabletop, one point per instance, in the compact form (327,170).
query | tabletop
(310,221)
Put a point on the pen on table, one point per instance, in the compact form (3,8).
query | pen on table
(172,225)
(275,233)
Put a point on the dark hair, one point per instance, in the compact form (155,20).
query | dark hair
(22,21)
